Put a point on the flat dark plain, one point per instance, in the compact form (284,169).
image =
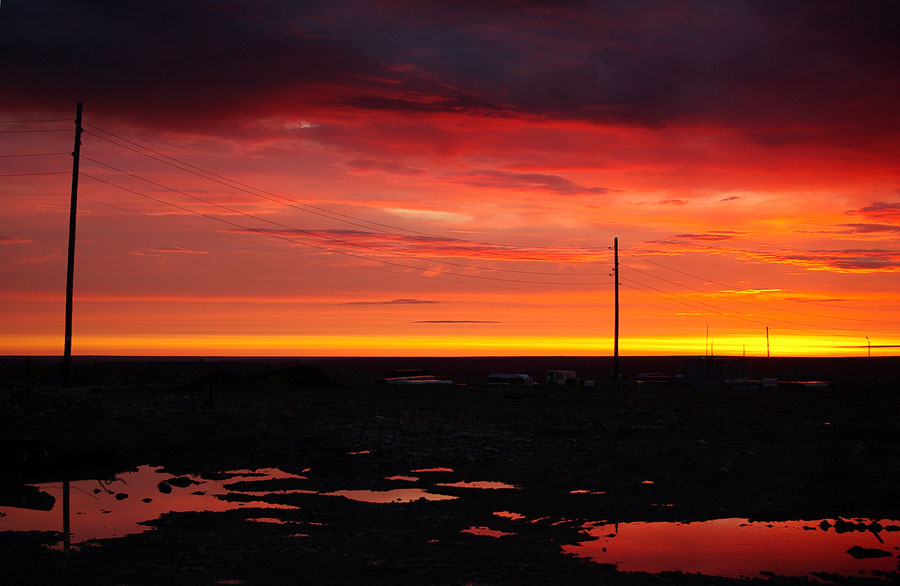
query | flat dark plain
(712,452)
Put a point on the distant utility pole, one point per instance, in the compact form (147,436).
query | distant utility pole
(869,346)
(70,268)
(616,337)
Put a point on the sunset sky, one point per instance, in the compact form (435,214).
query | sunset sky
(446,178)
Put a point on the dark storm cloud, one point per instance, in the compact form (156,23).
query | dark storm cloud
(756,65)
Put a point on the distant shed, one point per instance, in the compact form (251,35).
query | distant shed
(714,370)
(561,377)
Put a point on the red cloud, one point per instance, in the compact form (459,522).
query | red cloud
(880,210)
(374,243)
(851,260)
(528,181)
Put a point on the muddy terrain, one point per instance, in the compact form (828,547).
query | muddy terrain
(615,452)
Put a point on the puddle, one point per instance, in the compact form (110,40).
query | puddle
(399,495)
(404,478)
(509,515)
(103,509)
(486,531)
(483,484)
(115,508)
(438,469)
(271,521)
(737,547)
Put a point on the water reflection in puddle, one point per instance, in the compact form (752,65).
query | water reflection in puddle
(486,531)
(736,547)
(399,495)
(271,521)
(115,508)
(483,484)
(509,515)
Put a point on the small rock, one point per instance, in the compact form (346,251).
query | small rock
(180,481)
(164,487)
(121,496)
(868,552)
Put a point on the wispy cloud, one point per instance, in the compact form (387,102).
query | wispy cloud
(13,240)
(880,210)
(455,321)
(848,260)
(377,243)
(164,250)
(383,166)
(527,181)
(392,302)
(870,228)
(712,236)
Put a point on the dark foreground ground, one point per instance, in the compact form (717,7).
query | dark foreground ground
(774,454)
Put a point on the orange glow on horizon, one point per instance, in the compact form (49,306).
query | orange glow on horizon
(326,345)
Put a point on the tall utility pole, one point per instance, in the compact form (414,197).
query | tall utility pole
(616,339)
(70,268)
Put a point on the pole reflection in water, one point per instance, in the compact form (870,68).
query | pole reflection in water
(66,510)
(119,507)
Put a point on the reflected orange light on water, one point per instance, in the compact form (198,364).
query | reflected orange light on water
(735,547)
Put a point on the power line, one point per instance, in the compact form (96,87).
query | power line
(34,121)
(40,130)
(766,307)
(179,224)
(33,194)
(332,239)
(34,155)
(275,234)
(30,174)
(316,210)
(707,307)
(645,259)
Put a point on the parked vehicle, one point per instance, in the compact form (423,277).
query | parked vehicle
(505,379)
(562,377)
